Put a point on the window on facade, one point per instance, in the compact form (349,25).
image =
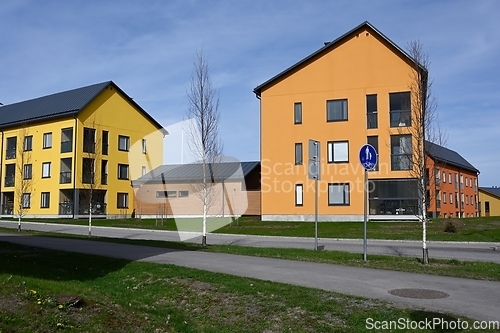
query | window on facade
(45,200)
(122,200)
(486,206)
(400,106)
(451,198)
(461,182)
(297,113)
(299,195)
(437,177)
(123,143)
(28,143)
(10,175)
(444,197)
(122,171)
(449,178)
(466,199)
(89,140)
(65,173)
(143,170)
(88,171)
(401,152)
(27,171)
(66,140)
(10,152)
(371,111)
(456,181)
(298,154)
(46,170)
(26,200)
(47,140)
(104,172)
(105,142)
(183,194)
(393,197)
(338,194)
(338,151)
(336,110)
(444,177)
(166,194)
(143,146)
(373,140)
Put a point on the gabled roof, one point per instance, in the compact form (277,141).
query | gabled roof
(184,173)
(62,104)
(495,191)
(330,45)
(448,156)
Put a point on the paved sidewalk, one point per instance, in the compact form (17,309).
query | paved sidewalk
(472,298)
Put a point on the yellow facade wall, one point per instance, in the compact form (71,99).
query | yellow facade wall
(364,63)
(493,200)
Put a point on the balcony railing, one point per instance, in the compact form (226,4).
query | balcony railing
(7,209)
(10,180)
(66,146)
(65,177)
(10,154)
(66,208)
(98,208)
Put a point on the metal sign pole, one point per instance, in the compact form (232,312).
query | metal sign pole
(365,192)
(316,214)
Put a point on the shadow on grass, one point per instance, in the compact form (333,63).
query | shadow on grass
(438,322)
(31,256)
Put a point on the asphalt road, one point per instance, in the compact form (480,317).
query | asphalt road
(442,250)
(472,298)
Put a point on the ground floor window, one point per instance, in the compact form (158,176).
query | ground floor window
(393,197)
(122,200)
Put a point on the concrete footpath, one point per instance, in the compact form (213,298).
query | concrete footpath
(472,298)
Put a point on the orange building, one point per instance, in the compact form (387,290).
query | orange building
(354,90)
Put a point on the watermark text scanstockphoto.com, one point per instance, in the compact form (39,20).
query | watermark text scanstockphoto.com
(430,324)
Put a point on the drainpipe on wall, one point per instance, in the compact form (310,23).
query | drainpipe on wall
(460,193)
(75,136)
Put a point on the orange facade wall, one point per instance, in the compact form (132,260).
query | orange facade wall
(363,64)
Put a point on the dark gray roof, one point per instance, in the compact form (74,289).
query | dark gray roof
(179,173)
(333,44)
(62,104)
(448,156)
(492,190)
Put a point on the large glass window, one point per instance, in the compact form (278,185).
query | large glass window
(88,171)
(105,139)
(27,171)
(66,140)
(46,170)
(400,107)
(338,194)
(336,110)
(401,152)
(299,199)
(45,200)
(297,113)
(26,200)
(89,140)
(338,151)
(298,154)
(10,152)
(122,200)
(371,111)
(393,197)
(28,143)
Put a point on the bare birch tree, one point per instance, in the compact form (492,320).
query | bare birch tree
(91,173)
(24,187)
(425,127)
(203,134)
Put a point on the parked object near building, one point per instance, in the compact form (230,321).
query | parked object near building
(352,91)
(90,139)
(489,201)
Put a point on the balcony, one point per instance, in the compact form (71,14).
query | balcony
(65,177)
(438,182)
(10,153)
(10,180)
(98,208)
(8,209)
(66,146)
(66,208)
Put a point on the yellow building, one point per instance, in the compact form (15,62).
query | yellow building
(489,201)
(62,152)
(352,91)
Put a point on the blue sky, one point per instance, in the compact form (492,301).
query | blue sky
(147,48)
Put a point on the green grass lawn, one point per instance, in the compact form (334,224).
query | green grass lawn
(46,291)
(483,229)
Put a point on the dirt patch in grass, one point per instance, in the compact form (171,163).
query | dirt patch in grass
(11,303)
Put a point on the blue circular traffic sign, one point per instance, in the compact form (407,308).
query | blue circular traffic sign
(368,157)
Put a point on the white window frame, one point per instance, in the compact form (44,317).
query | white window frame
(46,169)
(123,143)
(120,176)
(299,194)
(121,200)
(345,187)
(26,200)
(47,140)
(144,146)
(45,200)
(338,151)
